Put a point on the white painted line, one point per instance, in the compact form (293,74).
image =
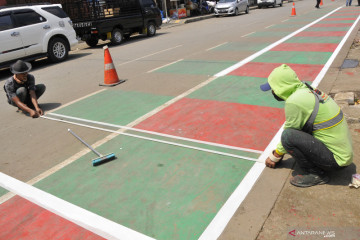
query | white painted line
(84,218)
(156,133)
(323,71)
(165,65)
(247,34)
(216,46)
(153,139)
(149,55)
(257,54)
(270,26)
(285,20)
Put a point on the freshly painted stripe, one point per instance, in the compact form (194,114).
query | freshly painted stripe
(305,72)
(151,132)
(321,34)
(252,57)
(153,139)
(222,218)
(220,122)
(241,46)
(22,219)
(306,47)
(88,220)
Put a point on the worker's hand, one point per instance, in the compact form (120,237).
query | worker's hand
(40,111)
(34,114)
(270,163)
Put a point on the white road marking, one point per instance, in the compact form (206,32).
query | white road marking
(156,133)
(247,34)
(285,20)
(270,26)
(153,139)
(168,49)
(165,65)
(216,46)
(84,218)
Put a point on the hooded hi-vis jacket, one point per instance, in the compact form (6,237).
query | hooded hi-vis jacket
(299,104)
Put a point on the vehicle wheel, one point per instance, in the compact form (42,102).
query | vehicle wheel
(92,41)
(281,3)
(247,10)
(57,50)
(151,29)
(117,36)
(259,7)
(236,12)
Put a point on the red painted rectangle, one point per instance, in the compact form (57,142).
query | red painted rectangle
(240,125)
(306,47)
(332,25)
(338,19)
(305,72)
(321,34)
(21,219)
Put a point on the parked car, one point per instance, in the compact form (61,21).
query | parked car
(113,20)
(34,31)
(231,7)
(267,3)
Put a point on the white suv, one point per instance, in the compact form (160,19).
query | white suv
(35,31)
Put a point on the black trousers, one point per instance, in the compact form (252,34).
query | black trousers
(311,154)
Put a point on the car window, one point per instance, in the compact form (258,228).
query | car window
(27,17)
(57,11)
(5,22)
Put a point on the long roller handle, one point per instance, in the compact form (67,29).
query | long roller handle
(91,148)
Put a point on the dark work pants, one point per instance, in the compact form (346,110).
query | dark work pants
(318,3)
(311,154)
(24,96)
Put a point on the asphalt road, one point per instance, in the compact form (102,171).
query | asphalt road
(32,146)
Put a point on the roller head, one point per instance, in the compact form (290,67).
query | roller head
(103,159)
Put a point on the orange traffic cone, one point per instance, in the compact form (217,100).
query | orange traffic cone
(110,76)
(321,3)
(293,11)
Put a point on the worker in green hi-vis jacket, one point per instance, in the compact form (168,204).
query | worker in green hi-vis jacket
(315,133)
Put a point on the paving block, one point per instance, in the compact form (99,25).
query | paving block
(345,97)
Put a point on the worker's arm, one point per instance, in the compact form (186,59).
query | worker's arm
(35,103)
(24,107)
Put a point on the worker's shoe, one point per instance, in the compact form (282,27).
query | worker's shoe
(309,180)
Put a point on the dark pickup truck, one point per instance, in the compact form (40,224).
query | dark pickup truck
(112,19)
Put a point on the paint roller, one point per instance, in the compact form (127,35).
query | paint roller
(102,158)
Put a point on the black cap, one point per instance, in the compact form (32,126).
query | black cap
(20,67)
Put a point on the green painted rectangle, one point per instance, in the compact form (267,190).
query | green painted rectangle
(114,106)
(3,191)
(237,89)
(241,46)
(294,57)
(197,67)
(327,29)
(163,191)
(269,34)
(314,40)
